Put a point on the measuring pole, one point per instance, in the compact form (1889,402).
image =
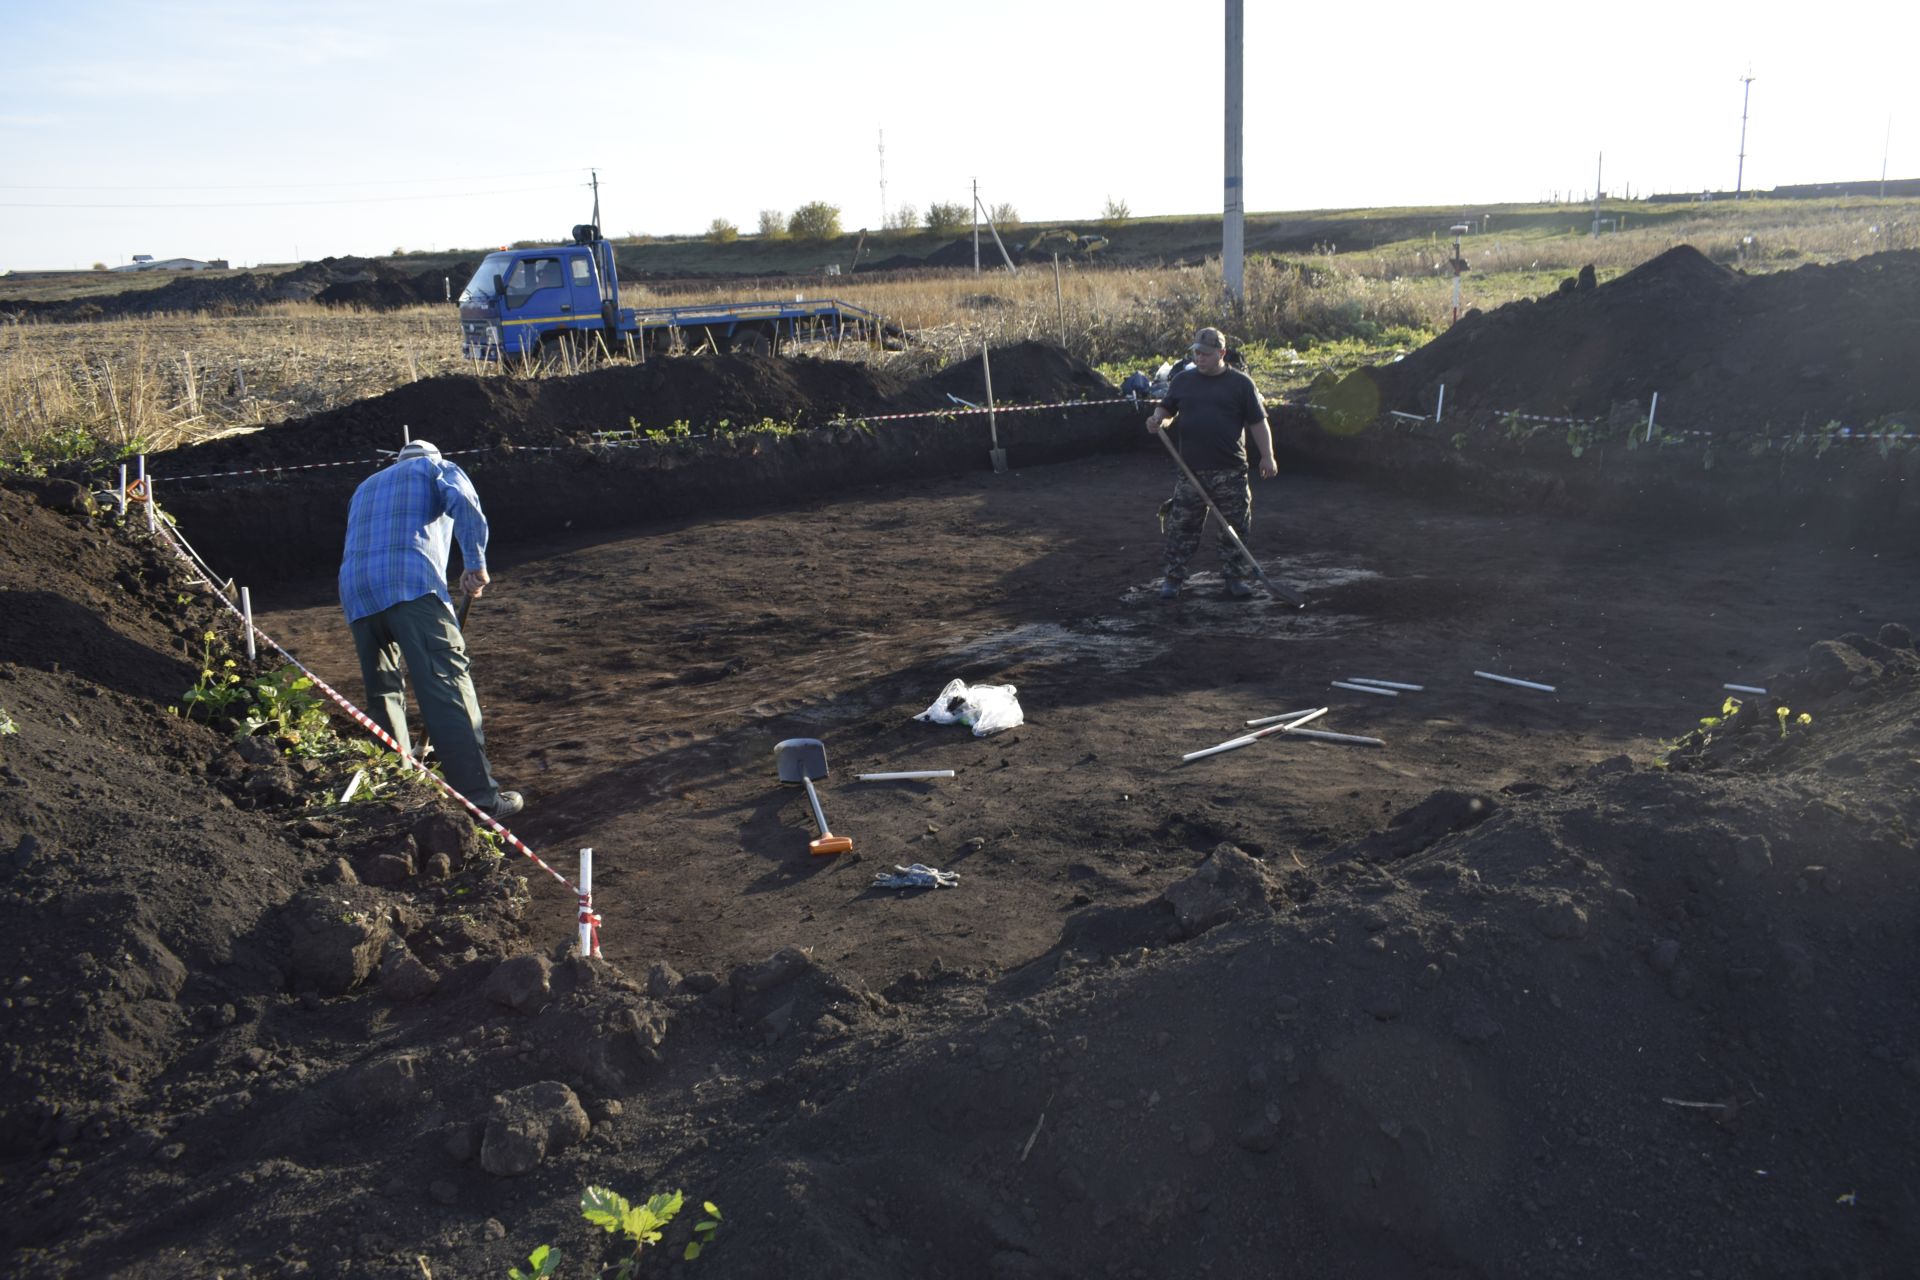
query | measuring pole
(1746,92)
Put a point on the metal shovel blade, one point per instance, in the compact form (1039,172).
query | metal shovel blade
(999,457)
(800,759)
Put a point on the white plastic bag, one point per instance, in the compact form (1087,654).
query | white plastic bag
(988,708)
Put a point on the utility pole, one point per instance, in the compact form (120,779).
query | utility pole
(594,182)
(976,226)
(1746,92)
(883,179)
(1599,167)
(1233,228)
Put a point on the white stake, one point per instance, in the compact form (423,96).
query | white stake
(353,785)
(586,902)
(1284,715)
(1745,688)
(905,776)
(123,491)
(1387,684)
(1651,410)
(246,618)
(1364,688)
(1522,684)
(1235,744)
(1324,736)
(1440,404)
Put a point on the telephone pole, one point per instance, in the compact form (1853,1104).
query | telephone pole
(1746,92)
(1233,220)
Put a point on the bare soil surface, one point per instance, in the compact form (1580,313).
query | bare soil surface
(1503,997)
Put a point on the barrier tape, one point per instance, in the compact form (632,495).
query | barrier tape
(587,915)
(606,440)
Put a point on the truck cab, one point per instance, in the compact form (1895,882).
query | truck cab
(520,297)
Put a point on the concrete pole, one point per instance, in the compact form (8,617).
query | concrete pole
(1233,229)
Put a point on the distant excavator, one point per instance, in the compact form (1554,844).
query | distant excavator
(1061,241)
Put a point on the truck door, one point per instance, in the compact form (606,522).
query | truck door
(537,286)
(584,294)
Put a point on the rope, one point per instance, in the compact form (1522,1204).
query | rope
(587,915)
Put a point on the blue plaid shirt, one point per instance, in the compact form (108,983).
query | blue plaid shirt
(400,531)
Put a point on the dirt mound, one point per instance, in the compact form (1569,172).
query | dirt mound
(360,282)
(1725,351)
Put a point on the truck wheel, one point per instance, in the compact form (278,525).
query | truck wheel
(751,342)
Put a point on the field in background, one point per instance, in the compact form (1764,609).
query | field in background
(100,388)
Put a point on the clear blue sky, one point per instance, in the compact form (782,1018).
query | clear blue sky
(276,132)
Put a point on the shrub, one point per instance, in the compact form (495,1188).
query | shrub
(946,218)
(1004,216)
(1115,213)
(773,224)
(99,266)
(816,220)
(904,218)
(720,231)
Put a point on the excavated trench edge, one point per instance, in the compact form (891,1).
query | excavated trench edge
(1847,494)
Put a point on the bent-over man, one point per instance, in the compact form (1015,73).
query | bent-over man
(401,527)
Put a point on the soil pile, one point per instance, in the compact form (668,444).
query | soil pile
(1725,351)
(1648,1022)
(359,282)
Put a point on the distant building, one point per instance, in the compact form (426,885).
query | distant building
(147,262)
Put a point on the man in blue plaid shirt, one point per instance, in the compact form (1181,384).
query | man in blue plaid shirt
(393,585)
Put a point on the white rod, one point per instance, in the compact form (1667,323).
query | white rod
(1412,417)
(1744,688)
(1651,410)
(406,435)
(1364,688)
(246,617)
(586,901)
(1284,715)
(153,524)
(359,776)
(1235,744)
(907,775)
(1441,404)
(1324,736)
(1523,684)
(1387,684)
(123,491)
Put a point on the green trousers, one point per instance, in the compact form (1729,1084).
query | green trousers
(424,635)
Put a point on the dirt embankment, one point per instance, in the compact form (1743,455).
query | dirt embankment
(357,282)
(540,469)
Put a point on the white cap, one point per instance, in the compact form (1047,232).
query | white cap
(419,449)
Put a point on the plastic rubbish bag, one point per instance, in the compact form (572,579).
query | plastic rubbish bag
(986,708)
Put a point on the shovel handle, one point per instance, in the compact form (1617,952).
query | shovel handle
(813,799)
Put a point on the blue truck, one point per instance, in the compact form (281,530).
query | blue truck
(535,304)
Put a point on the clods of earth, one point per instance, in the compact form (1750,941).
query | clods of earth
(1609,978)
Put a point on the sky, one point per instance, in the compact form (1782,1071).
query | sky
(282,132)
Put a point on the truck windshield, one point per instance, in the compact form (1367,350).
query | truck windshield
(480,288)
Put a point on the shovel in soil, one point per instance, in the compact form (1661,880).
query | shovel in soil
(802,760)
(1291,596)
(996,454)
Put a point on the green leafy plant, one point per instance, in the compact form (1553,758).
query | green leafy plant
(643,1224)
(1787,719)
(7,726)
(540,1265)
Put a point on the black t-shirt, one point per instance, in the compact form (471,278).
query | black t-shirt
(1214,413)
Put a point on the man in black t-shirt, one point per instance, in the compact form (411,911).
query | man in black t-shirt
(1213,408)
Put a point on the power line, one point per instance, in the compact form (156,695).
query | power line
(285,204)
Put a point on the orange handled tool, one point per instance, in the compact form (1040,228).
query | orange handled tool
(802,760)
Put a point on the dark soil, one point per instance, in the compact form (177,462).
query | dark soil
(1726,352)
(1503,998)
(359,282)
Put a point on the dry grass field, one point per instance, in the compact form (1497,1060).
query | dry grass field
(119,385)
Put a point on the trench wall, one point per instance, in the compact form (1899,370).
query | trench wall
(291,525)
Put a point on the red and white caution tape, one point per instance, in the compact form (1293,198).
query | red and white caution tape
(588,917)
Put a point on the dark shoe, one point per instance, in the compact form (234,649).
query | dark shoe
(509,803)
(1170,588)
(1239,589)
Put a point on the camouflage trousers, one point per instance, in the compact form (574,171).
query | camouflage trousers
(1184,515)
